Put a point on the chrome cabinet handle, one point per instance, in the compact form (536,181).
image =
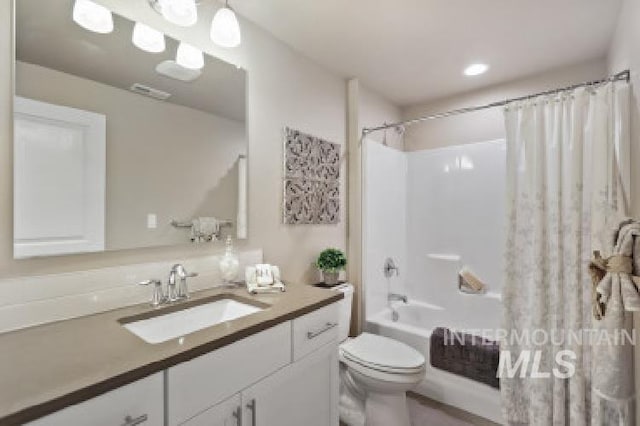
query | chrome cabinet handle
(237,414)
(328,326)
(253,408)
(130,421)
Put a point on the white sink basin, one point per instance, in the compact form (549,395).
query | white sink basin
(165,327)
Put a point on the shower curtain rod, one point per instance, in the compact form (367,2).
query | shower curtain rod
(624,75)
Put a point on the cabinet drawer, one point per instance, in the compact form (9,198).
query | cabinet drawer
(138,403)
(315,329)
(196,385)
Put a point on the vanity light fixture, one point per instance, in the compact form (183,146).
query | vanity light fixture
(190,57)
(476,69)
(147,38)
(92,16)
(225,29)
(180,12)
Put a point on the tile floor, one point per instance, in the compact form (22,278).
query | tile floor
(426,412)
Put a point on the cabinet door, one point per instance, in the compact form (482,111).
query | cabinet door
(227,413)
(138,403)
(303,393)
(196,385)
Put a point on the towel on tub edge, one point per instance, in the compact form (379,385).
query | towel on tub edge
(465,355)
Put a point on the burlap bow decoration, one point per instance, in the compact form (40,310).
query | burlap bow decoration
(599,267)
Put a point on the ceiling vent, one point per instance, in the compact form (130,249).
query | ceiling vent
(141,89)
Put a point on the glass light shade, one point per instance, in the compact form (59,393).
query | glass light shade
(180,12)
(148,39)
(92,16)
(190,57)
(225,29)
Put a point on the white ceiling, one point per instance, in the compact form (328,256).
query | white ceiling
(415,50)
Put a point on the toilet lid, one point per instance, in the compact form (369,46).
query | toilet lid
(382,353)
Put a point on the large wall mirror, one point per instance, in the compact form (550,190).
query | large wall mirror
(116,147)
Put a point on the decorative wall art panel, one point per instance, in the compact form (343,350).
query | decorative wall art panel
(311,179)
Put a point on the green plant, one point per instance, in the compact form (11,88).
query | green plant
(331,260)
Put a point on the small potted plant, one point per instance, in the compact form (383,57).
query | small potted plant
(331,261)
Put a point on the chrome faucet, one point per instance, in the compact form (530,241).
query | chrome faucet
(181,291)
(176,286)
(158,297)
(392,297)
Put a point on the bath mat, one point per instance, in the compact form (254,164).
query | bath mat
(465,355)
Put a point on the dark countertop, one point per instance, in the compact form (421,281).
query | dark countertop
(46,368)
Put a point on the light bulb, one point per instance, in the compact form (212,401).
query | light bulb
(180,12)
(476,69)
(92,16)
(147,38)
(190,57)
(225,29)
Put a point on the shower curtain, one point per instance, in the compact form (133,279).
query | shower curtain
(567,178)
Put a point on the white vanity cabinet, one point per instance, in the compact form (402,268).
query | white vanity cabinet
(226,413)
(303,393)
(138,403)
(195,386)
(286,375)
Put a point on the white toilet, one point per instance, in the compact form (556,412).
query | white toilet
(375,373)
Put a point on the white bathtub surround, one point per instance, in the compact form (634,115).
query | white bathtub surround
(29,301)
(384,222)
(567,173)
(435,212)
(455,219)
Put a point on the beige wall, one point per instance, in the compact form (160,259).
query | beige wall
(374,111)
(365,109)
(625,54)
(162,158)
(284,89)
(488,124)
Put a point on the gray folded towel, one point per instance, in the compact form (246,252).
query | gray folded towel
(465,355)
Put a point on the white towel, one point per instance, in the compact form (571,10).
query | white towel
(205,229)
(618,297)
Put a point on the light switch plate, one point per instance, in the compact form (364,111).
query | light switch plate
(152,221)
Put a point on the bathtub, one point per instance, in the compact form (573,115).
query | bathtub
(416,320)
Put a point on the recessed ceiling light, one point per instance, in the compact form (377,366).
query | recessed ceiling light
(476,69)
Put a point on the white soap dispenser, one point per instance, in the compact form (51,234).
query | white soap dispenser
(229,263)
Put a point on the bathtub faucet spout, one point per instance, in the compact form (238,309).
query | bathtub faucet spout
(393,297)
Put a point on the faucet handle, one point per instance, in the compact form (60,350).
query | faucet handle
(183,289)
(157,298)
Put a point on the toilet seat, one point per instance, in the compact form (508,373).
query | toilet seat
(370,353)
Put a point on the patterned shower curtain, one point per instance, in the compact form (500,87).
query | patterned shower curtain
(567,178)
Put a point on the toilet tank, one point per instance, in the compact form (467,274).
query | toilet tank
(344,321)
